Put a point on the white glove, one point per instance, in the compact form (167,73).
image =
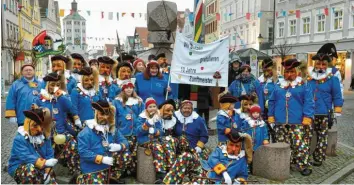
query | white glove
(113,147)
(107,160)
(236,182)
(151,122)
(151,130)
(78,123)
(198,149)
(13,120)
(227,178)
(337,114)
(51,162)
(47,178)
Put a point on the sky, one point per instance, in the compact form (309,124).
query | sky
(97,27)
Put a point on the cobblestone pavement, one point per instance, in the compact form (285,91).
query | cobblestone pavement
(346,122)
(348,180)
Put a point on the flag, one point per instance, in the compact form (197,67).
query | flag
(88,12)
(140,14)
(284,13)
(4,7)
(297,13)
(218,16)
(117,16)
(191,17)
(102,15)
(133,15)
(61,12)
(260,14)
(276,14)
(110,15)
(291,11)
(326,11)
(248,16)
(123,14)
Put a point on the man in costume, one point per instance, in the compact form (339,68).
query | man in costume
(103,149)
(58,102)
(108,88)
(327,93)
(228,162)
(32,156)
(267,82)
(122,72)
(62,66)
(192,135)
(85,93)
(291,109)
(78,63)
(165,69)
(21,95)
(226,118)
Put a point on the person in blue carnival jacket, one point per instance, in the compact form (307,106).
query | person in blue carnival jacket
(102,148)
(108,87)
(139,66)
(327,93)
(32,155)
(128,108)
(86,92)
(291,108)
(21,95)
(78,63)
(58,102)
(192,134)
(151,83)
(122,72)
(165,69)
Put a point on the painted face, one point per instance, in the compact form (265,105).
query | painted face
(255,115)
(102,118)
(105,69)
(28,72)
(35,129)
(233,148)
(88,81)
(232,106)
(187,110)
(53,86)
(58,66)
(140,67)
(268,72)
(128,91)
(167,111)
(124,73)
(152,109)
(77,65)
(246,105)
(290,74)
(154,70)
(321,66)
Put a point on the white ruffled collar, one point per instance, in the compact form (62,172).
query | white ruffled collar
(284,83)
(167,124)
(188,119)
(67,74)
(92,124)
(131,100)
(76,76)
(263,80)
(156,116)
(223,113)
(91,92)
(243,115)
(316,76)
(101,78)
(45,95)
(33,139)
(237,157)
(255,123)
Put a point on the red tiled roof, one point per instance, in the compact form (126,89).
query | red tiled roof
(143,35)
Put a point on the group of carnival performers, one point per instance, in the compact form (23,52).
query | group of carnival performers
(92,117)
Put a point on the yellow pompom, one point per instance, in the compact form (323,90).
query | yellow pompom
(59,139)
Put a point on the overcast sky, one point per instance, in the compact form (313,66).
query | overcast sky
(97,27)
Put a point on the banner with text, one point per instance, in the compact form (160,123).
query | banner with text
(200,64)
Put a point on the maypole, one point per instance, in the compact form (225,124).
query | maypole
(198,20)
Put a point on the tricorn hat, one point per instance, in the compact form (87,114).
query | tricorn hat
(79,57)
(102,106)
(105,60)
(169,101)
(268,62)
(125,57)
(60,57)
(326,52)
(227,98)
(42,117)
(52,77)
(290,63)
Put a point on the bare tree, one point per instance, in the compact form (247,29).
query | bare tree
(14,47)
(283,49)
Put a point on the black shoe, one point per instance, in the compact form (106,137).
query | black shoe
(317,163)
(159,181)
(306,172)
(116,181)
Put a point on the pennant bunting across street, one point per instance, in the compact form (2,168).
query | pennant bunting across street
(200,64)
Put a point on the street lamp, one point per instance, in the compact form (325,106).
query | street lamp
(260,39)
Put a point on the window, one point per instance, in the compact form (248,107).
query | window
(68,30)
(306,25)
(83,23)
(270,31)
(280,29)
(83,31)
(321,23)
(68,22)
(338,20)
(292,27)
(353,19)
(69,38)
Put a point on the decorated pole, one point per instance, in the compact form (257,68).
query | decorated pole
(198,20)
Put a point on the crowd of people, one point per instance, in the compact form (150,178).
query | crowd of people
(91,117)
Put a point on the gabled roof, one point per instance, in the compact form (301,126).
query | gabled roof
(74,16)
(109,49)
(143,35)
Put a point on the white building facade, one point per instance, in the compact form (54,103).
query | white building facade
(307,25)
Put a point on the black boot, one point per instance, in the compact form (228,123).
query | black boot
(116,181)
(317,163)
(306,172)
(159,177)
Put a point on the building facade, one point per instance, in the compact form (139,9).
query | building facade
(188,26)
(36,25)
(74,32)
(9,31)
(306,26)
(244,20)
(141,43)
(212,21)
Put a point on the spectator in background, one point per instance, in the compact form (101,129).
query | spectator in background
(352,83)
(93,62)
(139,66)
(204,102)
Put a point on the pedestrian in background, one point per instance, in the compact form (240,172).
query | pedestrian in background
(352,83)
(203,103)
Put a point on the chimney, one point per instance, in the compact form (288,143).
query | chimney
(74,6)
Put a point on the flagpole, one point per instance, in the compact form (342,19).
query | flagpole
(119,51)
